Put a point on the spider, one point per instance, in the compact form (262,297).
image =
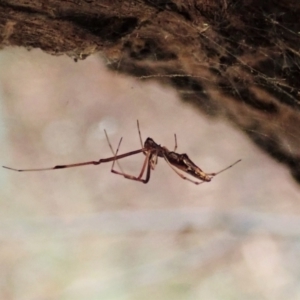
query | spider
(152,151)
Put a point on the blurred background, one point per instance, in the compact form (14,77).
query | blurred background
(85,233)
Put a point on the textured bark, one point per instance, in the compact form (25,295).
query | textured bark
(238,59)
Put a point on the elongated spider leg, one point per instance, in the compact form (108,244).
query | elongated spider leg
(225,169)
(92,162)
(140,135)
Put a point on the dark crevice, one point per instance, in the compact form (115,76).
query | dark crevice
(240,93)
(171,6)
(251,100)
(283,94)
(272,145)
(109,29)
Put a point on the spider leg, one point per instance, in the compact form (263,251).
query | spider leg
(140,135)
(86,163)
(112,150)
(225,169)
(138,178)
(175,142)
